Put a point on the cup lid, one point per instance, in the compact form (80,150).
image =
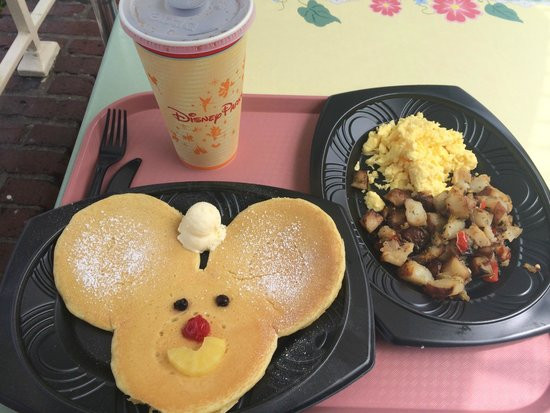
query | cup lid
(186,26)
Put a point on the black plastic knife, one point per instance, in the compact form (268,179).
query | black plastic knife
(121,180)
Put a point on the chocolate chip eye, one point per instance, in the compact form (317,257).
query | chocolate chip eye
(222,300)
(181,304)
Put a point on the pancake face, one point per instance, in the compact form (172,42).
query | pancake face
(119,266)
(139,349)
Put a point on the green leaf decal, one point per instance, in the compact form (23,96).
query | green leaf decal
(502,11)
(317,14)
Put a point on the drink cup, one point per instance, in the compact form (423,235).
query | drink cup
(193,53)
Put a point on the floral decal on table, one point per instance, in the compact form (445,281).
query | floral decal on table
(456,11)
(386,7)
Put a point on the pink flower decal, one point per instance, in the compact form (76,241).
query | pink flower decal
(386,7)
(456,10)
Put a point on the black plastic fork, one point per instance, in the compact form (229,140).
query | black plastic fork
(112,147)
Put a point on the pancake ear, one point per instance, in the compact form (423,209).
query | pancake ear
(113,253)
(290,252)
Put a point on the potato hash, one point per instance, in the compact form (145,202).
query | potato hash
(442,237)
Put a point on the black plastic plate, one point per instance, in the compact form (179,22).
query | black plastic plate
(54,362)
(518,305)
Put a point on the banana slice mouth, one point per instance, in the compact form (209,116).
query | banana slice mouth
(200,361)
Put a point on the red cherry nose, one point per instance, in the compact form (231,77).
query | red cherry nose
(196,328)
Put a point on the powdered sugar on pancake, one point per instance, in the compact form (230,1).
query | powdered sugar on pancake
(273,260)
(284,270)
(111,253)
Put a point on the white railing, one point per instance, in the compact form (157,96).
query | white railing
(105,13)
(27,53)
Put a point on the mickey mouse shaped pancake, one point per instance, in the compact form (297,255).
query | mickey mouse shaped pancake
(187,339)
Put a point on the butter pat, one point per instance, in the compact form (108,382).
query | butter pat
(201,229)
(417,154)
(374,202)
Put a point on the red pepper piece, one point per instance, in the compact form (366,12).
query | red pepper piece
(462,242)
(493,278)
(482,204)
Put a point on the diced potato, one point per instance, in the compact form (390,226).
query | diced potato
(478,236)
(488,231)
(482,218)
(499,212)
(386,233)
(481,265)
(452,227)
(426,200)
(431,253)
(435,267)
(503,253)
(435,222)
(532,268)
(490,201)
(394,253)
(440,202)
(371,220)
(444,287)
(438,239)
(397,196)
(463,295)
(456,269)
(507,220)
(419,236)
(479,183)
(415,273)
(458,204)
(396,217)
(511,233)
(491,191)
(415,213)
(503,197)
(360,180)
(484,252)
(462,178)
(462,174)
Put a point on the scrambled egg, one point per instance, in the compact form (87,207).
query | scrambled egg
(417,154)
(373,201)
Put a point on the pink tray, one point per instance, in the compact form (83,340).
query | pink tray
(276,136)
(275,141)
